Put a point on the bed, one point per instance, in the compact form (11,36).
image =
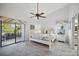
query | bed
(46,39)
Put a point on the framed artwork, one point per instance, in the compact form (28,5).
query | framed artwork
(32,27)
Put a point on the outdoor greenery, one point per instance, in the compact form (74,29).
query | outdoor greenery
(7,28)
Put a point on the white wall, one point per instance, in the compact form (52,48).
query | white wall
(61,14)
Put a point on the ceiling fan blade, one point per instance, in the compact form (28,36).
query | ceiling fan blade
(41,13)
(32,13)
(42,16)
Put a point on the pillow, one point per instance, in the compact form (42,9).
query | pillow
(38,31)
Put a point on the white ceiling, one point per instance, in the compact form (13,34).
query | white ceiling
(43,7)
(46,7)
(22,10)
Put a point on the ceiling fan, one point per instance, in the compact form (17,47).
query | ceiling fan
(38,15)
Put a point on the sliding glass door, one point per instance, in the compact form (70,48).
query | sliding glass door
(19,32)
(8,34)
(11,33)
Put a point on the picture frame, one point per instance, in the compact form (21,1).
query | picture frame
(32,27)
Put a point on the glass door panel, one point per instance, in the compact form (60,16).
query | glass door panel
(0,33)
(8,33)
(19,32)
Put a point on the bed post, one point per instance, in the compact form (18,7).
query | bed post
(50,43)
